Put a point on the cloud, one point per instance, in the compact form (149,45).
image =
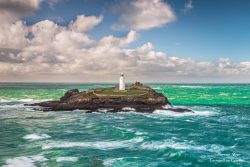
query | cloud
(12,10)
(85,23)
(13,35)
(188,6)
(118,41)
(64,51)
(144,14)
(46,51)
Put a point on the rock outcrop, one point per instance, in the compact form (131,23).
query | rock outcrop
(137,96)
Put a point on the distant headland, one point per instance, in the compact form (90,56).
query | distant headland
(134,97)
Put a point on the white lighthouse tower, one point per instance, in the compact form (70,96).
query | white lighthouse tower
(121,82)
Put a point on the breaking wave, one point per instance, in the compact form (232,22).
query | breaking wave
(191,86)
(177,114)
(197,111)
(24,161)
(68,159)
(33,137)
(157,88)
(124,161)
(101,145)
(161,145)
(136,132)
(128,109)
(9,100)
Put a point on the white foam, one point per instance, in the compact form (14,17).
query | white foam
(4,101)
(101,145)
(160,145)
(10,106)
(130,112)
(167,106)
(33,137)
(81,110)
(27,100)
(191,86)
(128,109)
(24,161)
(138,133)
(104,110)
(127,161)
(177,114)
(180,114)
(224,94)
(157,88)
(110,161)
(70,159)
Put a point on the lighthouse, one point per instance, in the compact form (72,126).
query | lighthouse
(121,82)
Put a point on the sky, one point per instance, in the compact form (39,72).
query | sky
(165,41)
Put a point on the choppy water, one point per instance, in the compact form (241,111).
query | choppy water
(217,134)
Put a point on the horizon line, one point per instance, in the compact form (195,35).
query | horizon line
(130,82)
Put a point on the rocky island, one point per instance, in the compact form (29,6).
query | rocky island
(136,97)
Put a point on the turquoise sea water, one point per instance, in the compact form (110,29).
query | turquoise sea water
(217,134)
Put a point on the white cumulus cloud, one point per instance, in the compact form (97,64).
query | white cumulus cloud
(84,23)
(144,14)
(12,10)
(56,51)
(46,51)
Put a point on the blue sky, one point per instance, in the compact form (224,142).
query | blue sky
(148,40)
(210,30)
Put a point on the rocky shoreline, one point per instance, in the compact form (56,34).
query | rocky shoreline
(137,97)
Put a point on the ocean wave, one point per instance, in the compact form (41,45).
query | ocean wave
(128,109)
(81,110)
(190,86)
(197,111)
(161,145)
(15,106)
(25,100)
(177,114)
(132,161)
(130,112)
(101,145)
(224,94)
(136,132)
(4,101)
(110,161)
(5,106)
(123,161)
(138,143)
(33,137)
(157,88)
(24,161)
(104,110)
(68,159)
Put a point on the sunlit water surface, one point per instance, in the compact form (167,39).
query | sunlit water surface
(216,134)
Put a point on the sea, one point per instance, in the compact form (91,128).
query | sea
(216,134)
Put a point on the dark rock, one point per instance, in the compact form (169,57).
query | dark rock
(147,101)
(68,94)
(180,110)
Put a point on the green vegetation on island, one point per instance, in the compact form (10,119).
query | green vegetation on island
(114,92)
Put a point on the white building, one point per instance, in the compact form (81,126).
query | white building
(121,82)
